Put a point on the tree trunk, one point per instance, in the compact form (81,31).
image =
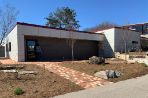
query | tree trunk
(72,50)
(125,51)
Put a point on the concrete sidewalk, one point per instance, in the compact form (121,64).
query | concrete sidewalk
(132,88)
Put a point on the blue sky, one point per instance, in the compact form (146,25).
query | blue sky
(89,12)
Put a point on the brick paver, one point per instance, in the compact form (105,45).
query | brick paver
(81,79)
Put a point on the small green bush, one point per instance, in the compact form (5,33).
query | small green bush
(18,91)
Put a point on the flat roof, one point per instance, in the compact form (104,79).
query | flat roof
(116,28)
(135,24)
(42,26)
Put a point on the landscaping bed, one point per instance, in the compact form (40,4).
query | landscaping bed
(128,70)
(43,85)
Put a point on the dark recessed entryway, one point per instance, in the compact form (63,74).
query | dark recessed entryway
(59,49)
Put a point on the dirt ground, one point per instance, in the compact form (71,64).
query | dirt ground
(43,85)
(128,70)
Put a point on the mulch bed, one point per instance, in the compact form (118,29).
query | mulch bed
(43,85)
(128,70)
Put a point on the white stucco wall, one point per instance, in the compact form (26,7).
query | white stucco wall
(108,42)
(12,37)
(114,40)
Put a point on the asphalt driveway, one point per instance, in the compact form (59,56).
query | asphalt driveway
(132,88)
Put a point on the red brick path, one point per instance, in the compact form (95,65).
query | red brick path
(81,79)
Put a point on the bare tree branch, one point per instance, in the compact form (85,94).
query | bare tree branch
(8,17)
(103,25)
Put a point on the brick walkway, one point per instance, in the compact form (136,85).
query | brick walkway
(81,79)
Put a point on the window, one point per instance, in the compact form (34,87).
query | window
(134,42)
(9,46)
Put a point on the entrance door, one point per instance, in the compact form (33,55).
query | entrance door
(31,50)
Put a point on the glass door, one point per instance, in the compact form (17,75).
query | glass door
(31,50)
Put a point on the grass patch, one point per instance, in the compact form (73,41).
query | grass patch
(19,91)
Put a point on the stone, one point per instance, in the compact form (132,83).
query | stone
(101,74)
(110,74)
(9,74)
(113,74)
(11,67)
(117,73)
(27,72)
(9,71)
(117,54)
(22,73)
(96,60)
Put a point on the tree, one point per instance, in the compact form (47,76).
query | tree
(8,17)
(103,25)
(63,18)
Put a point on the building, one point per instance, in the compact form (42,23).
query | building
(144,42)
(30,42)
(25,41)
(142,28)
(121,40)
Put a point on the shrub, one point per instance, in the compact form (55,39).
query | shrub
(96,60)
(18,91)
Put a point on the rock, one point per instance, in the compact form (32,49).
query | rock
(117,73)
(11,67)
(27,72)
(117,54)
(101,74)
(113,74)
(110,74)
(8,74)
(9,71)
(96,60)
